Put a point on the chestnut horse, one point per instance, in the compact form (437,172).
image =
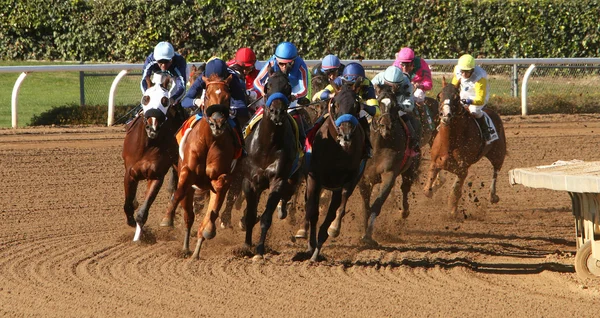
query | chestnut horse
(150,148)
(207,158)
(273,159)
(336,165)
(459,144)
(391,158)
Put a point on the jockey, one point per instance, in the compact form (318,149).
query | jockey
(402,89)
(164,58)
(286,58)
(417,70)
(474,91)
(330,66)
(195,95)
(354,76)
(244,64)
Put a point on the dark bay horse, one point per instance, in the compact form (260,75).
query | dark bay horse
(429,116)
(273,159)
(150,148)
(336,165)
(207,158)
(391,158)
(459,144)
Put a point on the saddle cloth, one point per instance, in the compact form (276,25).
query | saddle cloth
(187,126)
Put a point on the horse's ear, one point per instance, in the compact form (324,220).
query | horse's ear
(271,70)
(336,88)
(228,79)
(149,80)
(377,89)
(444,83)
(458,84)
(204,79)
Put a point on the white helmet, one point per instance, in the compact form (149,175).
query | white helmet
(163,51)
(393,75)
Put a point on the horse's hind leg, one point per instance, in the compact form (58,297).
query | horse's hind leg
(365,191)
(494,198)
(312,196)
(252,198)
(431,177)
(142,214)
(188,218)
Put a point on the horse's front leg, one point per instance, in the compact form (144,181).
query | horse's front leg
(365,189)
(346,192)
(267,217)
(142,214)
(188,218)
(232,195)
(312,196)
(494,198)
(131,185)
(251,210)
(186,179)
(456,191)
(431,177)
(336,200)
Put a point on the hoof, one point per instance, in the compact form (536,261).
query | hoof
(131,221)
(405,213)
(494,199)
(258,258)
(281,210)
(301,234)
(428,193)
(333,232)
(166,222)
(369,241)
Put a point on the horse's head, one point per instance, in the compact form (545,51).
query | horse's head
(216,100)
(195,71)
(156,101)
(278,91)
(344,108)
(449,101)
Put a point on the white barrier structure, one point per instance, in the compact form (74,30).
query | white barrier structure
(582,181)
(124,68)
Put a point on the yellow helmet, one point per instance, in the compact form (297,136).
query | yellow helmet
(466,62)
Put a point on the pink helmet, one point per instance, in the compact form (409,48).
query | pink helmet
(405,55)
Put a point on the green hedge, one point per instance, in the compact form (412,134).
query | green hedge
(127,30)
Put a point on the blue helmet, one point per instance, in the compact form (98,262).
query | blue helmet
(216,66)
(286,52)
(352,72)
(330,62)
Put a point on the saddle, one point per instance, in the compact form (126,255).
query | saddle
(257,118)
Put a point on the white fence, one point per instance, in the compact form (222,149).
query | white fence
(125,68)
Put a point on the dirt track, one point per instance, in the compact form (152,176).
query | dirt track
(65,248)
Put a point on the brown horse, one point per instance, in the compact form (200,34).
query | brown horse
(336,164)
(459,144)
(207,158)
(391,158)
(150,149)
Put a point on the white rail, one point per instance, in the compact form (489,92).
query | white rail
(24,70)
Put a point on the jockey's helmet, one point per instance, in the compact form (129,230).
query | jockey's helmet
(286,52)
(353,72)
(216,66)
(163,51)
(245,57)
(330,62)
(393,75)
(466,62)
(405,55)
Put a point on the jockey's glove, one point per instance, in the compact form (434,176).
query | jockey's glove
(252,94)
(467,101)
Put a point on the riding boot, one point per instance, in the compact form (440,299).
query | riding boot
(368,147)
(485,129)
(413,142)
(238,138)
(301,129)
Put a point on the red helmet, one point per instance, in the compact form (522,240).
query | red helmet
(245,57)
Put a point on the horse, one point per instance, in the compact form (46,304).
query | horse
(273,159)
(207,158)
(336,164)
(391,158)
(150,148)
(429,117)
(459,143)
